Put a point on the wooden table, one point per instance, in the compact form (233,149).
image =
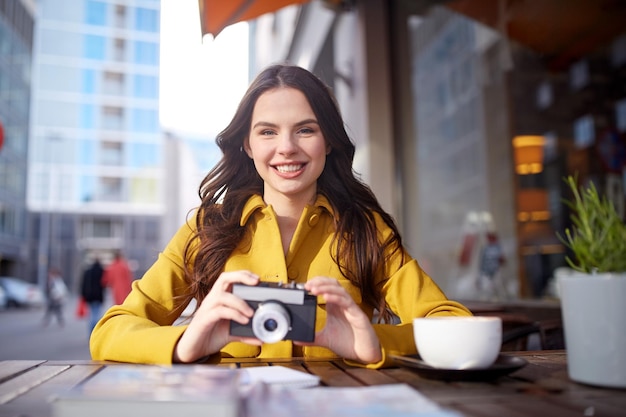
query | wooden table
(541,388)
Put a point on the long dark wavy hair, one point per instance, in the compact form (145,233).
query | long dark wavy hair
(360,251)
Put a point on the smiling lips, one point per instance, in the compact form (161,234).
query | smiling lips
(288,169)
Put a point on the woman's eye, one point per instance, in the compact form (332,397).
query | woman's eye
(306,131)
(267,132)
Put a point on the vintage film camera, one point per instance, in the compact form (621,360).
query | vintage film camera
(282,312)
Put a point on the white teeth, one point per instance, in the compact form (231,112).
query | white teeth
(288,168)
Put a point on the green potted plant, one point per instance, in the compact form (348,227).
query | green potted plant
(593,296)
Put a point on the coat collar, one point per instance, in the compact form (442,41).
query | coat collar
(256,202)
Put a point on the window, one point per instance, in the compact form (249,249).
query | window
(110,189)
(95,47)
(101,228)
(152,230)
(144,120)
(146,53)
(87,188)
(113,83)
(145,86)
(143,190)
(146,20)
(143,155)
(584,132)
(87,116)
(112,118)
(120,16)
(579,75)
(8,223)
(111,153)
(120,50)
(95,13)
(89,81)
(87,152)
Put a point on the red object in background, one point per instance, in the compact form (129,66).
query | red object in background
(1,135)
(81,308)
(466,250)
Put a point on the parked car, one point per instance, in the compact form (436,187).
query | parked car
(20,293)
(3,299)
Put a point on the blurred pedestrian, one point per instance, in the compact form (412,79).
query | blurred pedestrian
(491,260)
(118,277)
(56,293)
(92,291)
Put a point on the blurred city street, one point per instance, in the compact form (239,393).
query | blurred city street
(23,336)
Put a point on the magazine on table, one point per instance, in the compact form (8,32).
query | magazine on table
(155,391)
(218,391)
(393,400)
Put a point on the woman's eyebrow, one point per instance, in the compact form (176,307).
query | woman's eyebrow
(306,122)
(263,124)
(269,124)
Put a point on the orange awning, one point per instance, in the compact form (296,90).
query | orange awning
(216,15)
(561,30)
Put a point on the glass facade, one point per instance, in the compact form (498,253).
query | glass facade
(146,53)
(16,38)
(95,128)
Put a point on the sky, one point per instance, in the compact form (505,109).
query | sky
(202,81)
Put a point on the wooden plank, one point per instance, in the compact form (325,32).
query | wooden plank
(37,402)
(409,377)
(252,364)
(9,369)
(518,408)
(445,391)
(483,410)
(609,403)
(366,376)
(22,383)
(273,360)
(332,375)
(296,365)
(79,362)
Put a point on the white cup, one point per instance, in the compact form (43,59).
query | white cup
(458,342)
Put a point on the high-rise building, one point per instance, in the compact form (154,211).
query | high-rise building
(16,42)
(95,159)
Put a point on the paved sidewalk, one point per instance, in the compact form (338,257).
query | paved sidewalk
(23,336)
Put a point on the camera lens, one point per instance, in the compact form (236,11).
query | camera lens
(270,325)
(271,322)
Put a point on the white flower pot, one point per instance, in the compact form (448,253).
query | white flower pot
(594,320)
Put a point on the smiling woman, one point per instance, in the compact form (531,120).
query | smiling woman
(201,80)
(283,207)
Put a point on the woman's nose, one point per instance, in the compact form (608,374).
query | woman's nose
(286,144)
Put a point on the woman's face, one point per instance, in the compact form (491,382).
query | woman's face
(286,145)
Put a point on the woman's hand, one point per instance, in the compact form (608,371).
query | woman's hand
(208,331)
(348,331)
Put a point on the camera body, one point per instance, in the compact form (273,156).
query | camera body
(282,312)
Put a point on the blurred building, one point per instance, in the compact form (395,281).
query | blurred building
(467,106)
(96,149)
(188,158)
(16,43)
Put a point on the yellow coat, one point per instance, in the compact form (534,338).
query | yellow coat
(141,329)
